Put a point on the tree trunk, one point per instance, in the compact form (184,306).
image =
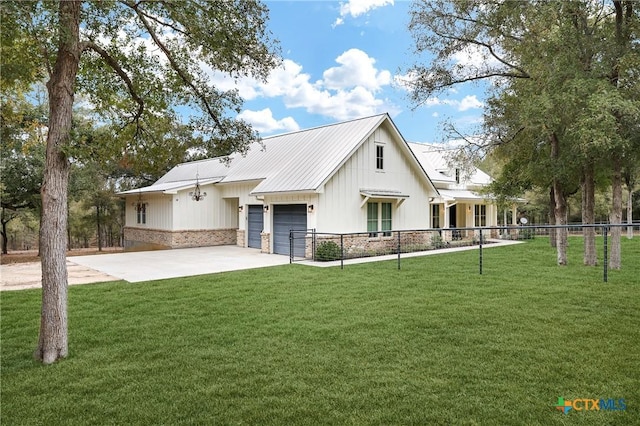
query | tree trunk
(52,341)
(588,215)
(615,218)
(4,232)
(560,208)
(560,213)
(630,209)
(98,225)
(4,238)
(552,218)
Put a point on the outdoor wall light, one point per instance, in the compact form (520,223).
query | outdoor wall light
(310,208)
(265,209)
(240,209)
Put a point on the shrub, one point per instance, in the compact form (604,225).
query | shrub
(527,234)
(328,250)
(436,241)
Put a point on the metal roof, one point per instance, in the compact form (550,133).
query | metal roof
(204,169)
(462,195)
(303,160)
(434,162)
(300,161)
(170,187)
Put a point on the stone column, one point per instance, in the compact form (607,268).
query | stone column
(266,242)
(240,238)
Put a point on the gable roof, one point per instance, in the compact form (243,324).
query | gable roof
(434,161)
(299,161)
(303,160)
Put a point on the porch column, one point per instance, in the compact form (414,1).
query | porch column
(446,216)
(514,214)
(504,222)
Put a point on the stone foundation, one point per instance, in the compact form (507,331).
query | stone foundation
(363,245)
(240,237)
(265,242)
(156,239)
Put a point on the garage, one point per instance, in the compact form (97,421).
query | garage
(255,224)
(287,217)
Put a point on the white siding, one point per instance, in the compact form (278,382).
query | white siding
(158,211)
(308,199)
(339,206)
(190,214)
(236,195)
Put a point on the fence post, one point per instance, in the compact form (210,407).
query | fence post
(480,251)
(313,244)
(399,250)
(605,263)
(341,251)
(290,246)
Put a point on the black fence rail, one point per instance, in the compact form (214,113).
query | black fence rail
(310,245)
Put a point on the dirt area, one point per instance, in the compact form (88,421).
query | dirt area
(22,270)
(24,256)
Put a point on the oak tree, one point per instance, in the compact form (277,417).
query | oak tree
(135,63)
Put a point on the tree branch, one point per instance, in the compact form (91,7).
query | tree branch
(524,74)
(118,69)
(186,79)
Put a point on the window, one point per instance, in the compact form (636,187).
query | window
(386,219)
(379,157)
(379,218)
(435,216)
(372,219)
(141,209)
(480,215)
(457,175)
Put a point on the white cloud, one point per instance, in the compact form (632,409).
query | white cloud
(474,56)
(346,91)
(469,102)
(355,8)
(356,69)
(264,122)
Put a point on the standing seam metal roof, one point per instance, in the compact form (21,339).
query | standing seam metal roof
(299,161)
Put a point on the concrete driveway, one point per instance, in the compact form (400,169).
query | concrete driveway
(161,264)
(142,266)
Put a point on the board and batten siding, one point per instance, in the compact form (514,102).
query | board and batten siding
(159,213)
(212,212)
(235,195)
(340,208)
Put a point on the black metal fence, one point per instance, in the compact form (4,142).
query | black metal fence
(309,245)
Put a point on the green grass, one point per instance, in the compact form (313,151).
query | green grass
(433,343)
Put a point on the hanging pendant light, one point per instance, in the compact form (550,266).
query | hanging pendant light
(197,195)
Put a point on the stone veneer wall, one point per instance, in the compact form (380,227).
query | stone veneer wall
(364,245)
(265,242)
(155,239)
(240,237)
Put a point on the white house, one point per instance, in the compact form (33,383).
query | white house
(359,175)
(460,203)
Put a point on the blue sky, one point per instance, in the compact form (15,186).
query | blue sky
(344,60)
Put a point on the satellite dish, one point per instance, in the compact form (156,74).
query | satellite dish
(524,220)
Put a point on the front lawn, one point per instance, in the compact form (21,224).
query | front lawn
(433,343)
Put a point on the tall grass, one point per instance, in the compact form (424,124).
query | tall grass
(433,343)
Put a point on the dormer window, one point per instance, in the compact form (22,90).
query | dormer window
(379,157)
(457,175)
